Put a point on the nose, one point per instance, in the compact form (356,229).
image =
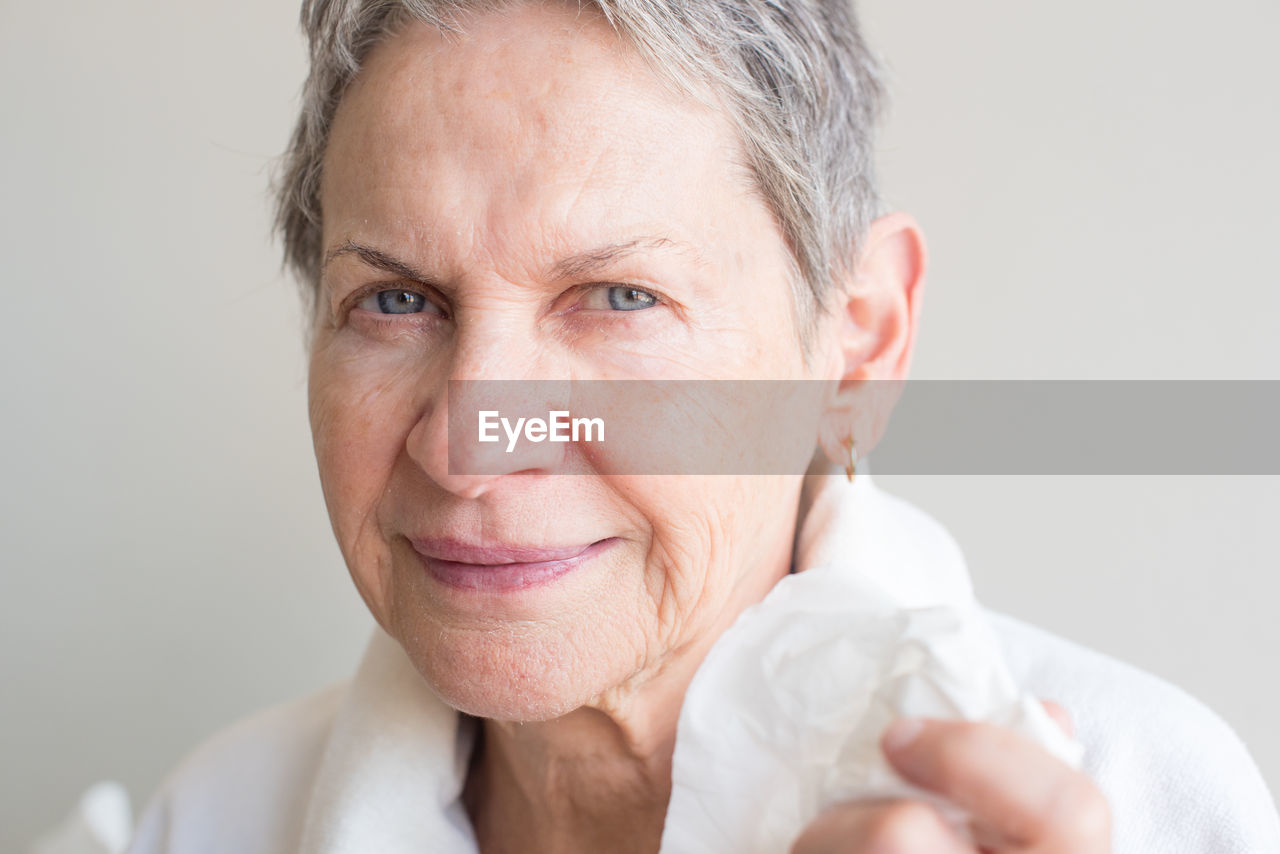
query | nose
(486,421)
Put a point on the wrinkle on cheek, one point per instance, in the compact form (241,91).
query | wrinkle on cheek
(360,419)
(688,560)
(705,565)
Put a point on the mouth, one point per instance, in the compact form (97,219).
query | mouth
(502,568)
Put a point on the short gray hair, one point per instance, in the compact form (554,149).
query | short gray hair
(800,86)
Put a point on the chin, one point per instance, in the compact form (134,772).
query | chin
(518,673)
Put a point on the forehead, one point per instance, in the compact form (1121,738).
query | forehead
(536,122)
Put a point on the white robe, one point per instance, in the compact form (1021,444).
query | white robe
(376,763)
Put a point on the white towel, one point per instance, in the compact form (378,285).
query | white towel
(99,824)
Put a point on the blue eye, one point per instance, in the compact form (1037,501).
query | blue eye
(630,299)
(619,298)
(395,301)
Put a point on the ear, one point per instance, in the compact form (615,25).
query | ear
(877,312)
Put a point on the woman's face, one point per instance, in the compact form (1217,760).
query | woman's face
(508,205)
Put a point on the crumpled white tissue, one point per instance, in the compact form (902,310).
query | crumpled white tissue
(784,718)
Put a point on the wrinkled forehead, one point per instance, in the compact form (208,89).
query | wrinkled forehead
(534,117)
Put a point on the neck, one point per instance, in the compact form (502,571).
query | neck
(596,779)
(575,784)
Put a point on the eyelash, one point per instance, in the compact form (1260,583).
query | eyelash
(605,287)
(359,296)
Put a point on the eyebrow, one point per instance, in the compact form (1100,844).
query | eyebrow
(583,263)
(573,266)
(374,258)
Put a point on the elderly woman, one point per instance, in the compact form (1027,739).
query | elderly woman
(621,190)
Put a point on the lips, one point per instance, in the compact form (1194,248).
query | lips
(501,567)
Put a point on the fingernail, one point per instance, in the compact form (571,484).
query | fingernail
(901,733)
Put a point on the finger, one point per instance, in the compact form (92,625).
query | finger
(885,827)
(1014,789)
(1060,715)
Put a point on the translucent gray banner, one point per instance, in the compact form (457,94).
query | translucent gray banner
(1136,427)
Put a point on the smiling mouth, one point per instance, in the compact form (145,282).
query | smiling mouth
(502,568)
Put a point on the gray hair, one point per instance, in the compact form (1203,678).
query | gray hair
(799,85)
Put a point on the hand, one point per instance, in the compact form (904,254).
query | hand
(1020,798)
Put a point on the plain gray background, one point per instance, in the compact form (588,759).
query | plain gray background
(1098,183)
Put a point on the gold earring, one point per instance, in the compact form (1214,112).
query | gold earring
(851,466)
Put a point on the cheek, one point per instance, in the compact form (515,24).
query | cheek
(361,411)
(692,564)
(726,542)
